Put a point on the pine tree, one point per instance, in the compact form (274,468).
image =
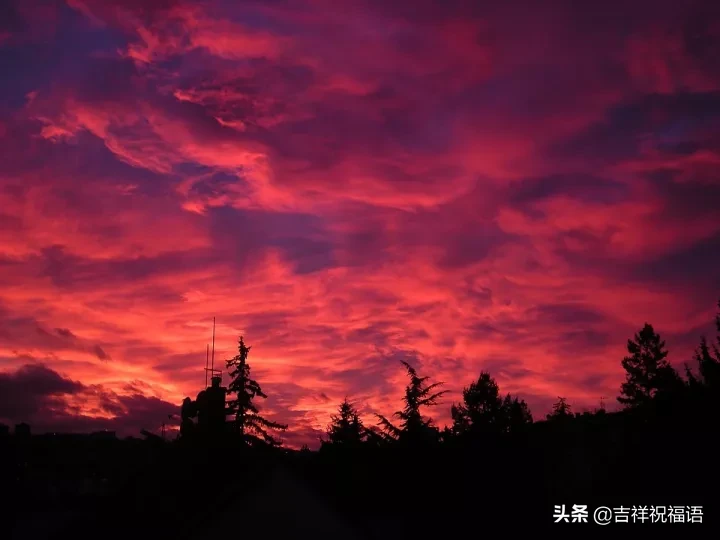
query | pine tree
(703,390)
(708,364)
(648,373)
(481,409)
(709,360)
(248,422)
(418,394)
(346,428)
(561,410)
(515,414)
(484,411)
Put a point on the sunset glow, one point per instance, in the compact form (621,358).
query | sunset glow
(506,186)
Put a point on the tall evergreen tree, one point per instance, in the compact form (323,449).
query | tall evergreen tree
(418,394)
(346,428)
(247,422)
(707,358)
(648,373)
(560,411)
(515,414)
(708,364)
(484,411)
(481,409)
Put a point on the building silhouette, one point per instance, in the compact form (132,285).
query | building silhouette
(22,430)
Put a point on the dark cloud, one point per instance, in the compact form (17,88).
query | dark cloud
(64,332)
(483,329)
(50,401)
(626,126)
(244,235)
(697,263)
(100,353)
(690,199)
(69,271)
(111,10)
(567,314)
(307,255)
(31,390)
(583,341)
(504,369)
(580,186)
(472,245)
(24,331)
(377,333)
(594,382)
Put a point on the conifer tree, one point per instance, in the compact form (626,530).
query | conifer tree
(708,364)
(418,394)
(703,390)
(346,428)
(561,410)
(515,414)
(481,408)
(484,411)
(247,422)
(707,357)
(647,370)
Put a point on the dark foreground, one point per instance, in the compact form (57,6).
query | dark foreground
(55,487)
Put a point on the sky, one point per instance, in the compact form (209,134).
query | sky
(514,187)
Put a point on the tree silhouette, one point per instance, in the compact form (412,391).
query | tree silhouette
(707,358)
(247,422)
(703,394)
(481,409)
(418,394)
(560,410)
(375,436)
(708,365)
(515,414)
(346,428)
(648,373)
(484,411)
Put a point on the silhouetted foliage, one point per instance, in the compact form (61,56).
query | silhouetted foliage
(481,408)
(346,428)
(707,358)
(516,414)
(247,421)
(413,426)
(375,437)
(561,410)
(570,457)
(483,411)
(648,373)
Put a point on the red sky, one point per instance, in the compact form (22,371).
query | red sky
(508,186)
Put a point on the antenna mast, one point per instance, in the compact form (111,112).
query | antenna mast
(210,359)
(212,366)
(207,360)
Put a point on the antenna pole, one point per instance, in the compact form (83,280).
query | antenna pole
(212,367)
(207,360)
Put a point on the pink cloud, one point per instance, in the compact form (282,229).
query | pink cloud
(462,187)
